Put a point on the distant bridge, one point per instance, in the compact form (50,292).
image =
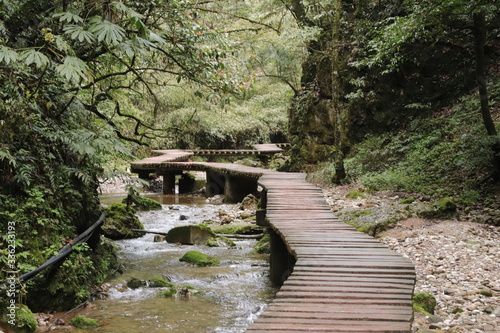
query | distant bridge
(332,277)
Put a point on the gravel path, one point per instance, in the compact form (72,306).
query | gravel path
(456,261)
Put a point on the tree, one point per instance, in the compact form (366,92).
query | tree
(441,22)
(72,75)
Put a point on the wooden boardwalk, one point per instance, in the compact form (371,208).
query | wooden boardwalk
(342,280)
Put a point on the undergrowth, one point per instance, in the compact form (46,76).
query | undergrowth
(445,154)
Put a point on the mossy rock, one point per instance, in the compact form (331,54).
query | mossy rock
(22,318)
(160,282)
(263,245)
(220,241)
(169,292)
(83,322)
(235,229)
(119,222)
(444,208)
(199,259)
(424,303)
(139,202)
(135,283)
(190,234)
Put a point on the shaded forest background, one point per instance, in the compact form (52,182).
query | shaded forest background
(391,95)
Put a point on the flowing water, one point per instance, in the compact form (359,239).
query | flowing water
(232,293)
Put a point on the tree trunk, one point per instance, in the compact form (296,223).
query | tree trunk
(479,43)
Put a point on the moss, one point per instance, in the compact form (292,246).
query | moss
(263,245)
(199,259)
(120,220)
(444,208)
(408,200)
(355,194)
(159,282)
(220,241)
(232,229)
(168,293)
(424,303)
(139,202)
(457,310)
(361,213)
(23,319)
(83,322)
(486,293)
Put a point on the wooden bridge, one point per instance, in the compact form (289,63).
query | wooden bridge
(332,277)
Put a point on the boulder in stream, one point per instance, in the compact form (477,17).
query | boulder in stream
(199,259)
(119,222)
(190,234)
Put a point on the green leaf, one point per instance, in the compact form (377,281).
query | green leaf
(7,55)
(62,45)
(106,31)
(73,69)
(68,17)
(35,57)
(77,32)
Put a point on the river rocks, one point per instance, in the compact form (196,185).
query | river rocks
(119,222)
(190,234)
(83,322)
(453,263)
(139,202)
(199,259)
(249,202)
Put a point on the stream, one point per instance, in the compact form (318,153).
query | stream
(232,293)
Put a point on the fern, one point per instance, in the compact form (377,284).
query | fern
(5,155)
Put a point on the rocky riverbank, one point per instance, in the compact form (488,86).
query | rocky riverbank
(456,260)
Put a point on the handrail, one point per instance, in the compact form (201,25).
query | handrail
(66,250)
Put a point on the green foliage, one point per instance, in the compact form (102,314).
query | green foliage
(355,194)
(83,322)
(263,246)
(448,154)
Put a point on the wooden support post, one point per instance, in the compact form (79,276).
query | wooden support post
(169,182)
(215,184)
(238,187)
(281,261)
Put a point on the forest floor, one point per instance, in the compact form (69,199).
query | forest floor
(457,261)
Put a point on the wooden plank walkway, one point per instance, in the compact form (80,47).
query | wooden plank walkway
(342,281)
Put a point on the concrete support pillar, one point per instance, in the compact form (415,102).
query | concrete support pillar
(143,174)
(238,187)
(169,182)
(215,184)
(281,262)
